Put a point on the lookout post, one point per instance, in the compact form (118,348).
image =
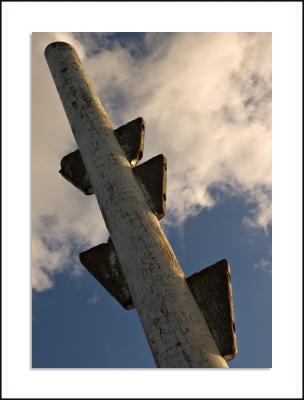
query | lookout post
(189,323)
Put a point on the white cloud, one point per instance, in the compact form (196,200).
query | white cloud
(94,299)
(263,264)
(62,217)
(206,101)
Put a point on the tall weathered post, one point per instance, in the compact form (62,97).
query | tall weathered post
(137,265)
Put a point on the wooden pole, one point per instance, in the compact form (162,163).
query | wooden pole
(176,329)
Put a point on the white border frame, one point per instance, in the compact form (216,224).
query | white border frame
(284,20)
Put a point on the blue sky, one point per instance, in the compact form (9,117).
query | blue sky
(219,187)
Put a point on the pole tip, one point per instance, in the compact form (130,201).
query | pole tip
(58,45)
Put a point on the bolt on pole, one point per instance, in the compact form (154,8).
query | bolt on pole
(142,266)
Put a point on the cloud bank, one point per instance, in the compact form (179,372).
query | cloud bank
(206,101)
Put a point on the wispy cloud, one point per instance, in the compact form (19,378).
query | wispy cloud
(206,101)
(263,265)
(94,299)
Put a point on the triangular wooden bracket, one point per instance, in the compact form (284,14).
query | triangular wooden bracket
(131,138)
(212,291)
(152,178)
(102,262)
(74,171)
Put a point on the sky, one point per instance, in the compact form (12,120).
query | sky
(206,102)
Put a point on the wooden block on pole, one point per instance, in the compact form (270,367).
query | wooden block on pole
(131,138)
(102,262)
(152,178)
(211,288)
(74,171)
